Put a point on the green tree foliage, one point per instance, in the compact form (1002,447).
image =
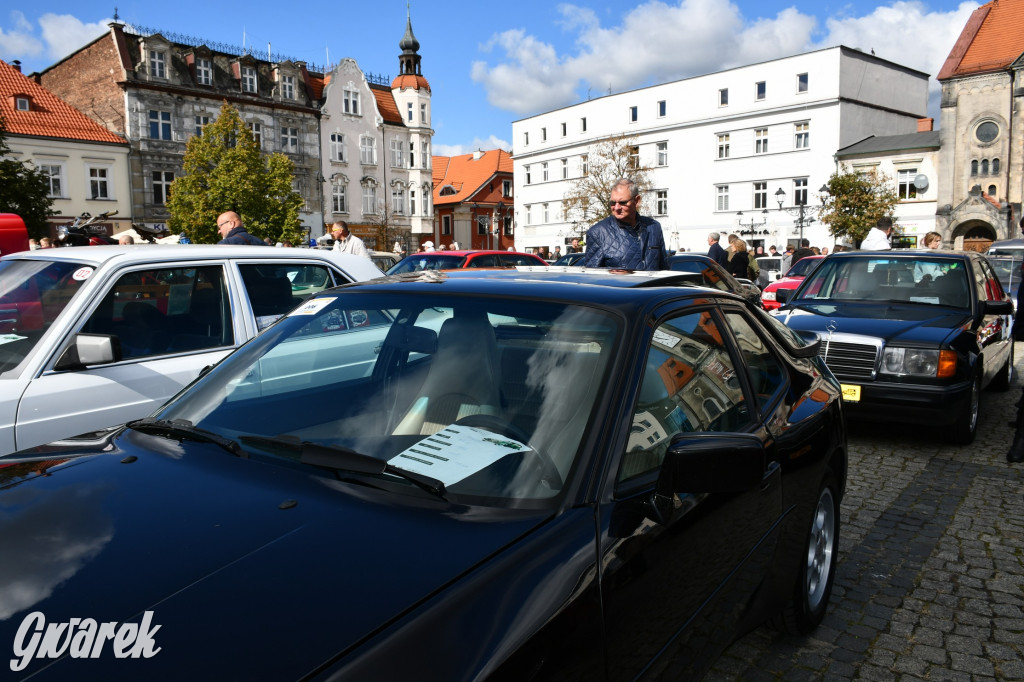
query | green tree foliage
(856,201)
(586,201)
(24,190)
(225,171)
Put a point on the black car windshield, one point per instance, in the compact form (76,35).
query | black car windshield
(491,398)
(872,279)
(427,261)
(33,293)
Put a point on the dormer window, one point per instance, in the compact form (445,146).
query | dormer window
(287,87)
(204,71)
(157,64)
(447,191)
(350,102)
(22,104)
(248,79)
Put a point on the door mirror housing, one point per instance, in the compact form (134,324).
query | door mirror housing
(90,349)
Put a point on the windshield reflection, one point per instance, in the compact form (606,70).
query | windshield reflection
(927,281)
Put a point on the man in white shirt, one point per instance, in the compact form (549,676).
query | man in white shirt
(878,237)
(346,242)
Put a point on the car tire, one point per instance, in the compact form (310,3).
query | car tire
(1001,381)
(816,572)
(966,424)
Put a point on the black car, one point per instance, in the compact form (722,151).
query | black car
(714,275)
(570,258)
(914,335)
(444,476)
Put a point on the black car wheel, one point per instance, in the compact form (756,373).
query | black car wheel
(966,424)
(806,607)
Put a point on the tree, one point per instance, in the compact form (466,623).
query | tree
(856,201)
(225,171)
(386,228)
(24,190)
(586,201)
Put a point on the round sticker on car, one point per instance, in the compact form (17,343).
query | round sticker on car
(82,274)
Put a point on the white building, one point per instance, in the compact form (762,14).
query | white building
(721,143)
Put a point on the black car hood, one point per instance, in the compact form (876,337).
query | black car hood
(890,322)
(251,569)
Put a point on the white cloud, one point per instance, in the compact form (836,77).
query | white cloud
(17,42)
(492,142)
(658,42)
(64,33)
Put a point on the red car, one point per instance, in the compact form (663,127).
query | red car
(451,260)
(791,280)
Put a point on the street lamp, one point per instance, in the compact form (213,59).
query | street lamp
(798,212)
(750,228)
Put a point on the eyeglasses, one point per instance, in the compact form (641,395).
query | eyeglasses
(220,225)
(614,203)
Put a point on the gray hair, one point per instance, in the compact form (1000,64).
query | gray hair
(628,184)
(714,236)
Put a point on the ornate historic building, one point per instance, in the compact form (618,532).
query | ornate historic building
(982,128)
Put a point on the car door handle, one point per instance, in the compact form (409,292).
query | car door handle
(772,475)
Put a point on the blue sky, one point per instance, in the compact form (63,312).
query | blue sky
(492,63)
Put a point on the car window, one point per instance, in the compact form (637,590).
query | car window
(276,288)
(165,310)
(986,282)
(484,261)
(423,261)
(766,372)
(873,279)
(514,259)
(689,384)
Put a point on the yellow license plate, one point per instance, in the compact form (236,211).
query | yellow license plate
(851,392)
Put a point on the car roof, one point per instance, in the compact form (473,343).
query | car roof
(465,252)
(906,253)
(96,256)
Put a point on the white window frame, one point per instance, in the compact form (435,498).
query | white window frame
(425,153)
(543,134)
(290,139)
(565,169)
(760,140)
(99,176)
(529,214)
(800,191)
(256,128)
(802,135)
(397,153)
(661,202)
(55,174)
(723,145)
(662,153)
(249,82)
(760,195)
(350,103)
(398,201)
(526,138)
(527,175)
(159,179)
(723,97)
(446,224)
(905,188)
(368,150)
(565,129)
(506,189)
(339,198)
(721,197)
(157,64)
(803,83)
(633,114)
(408,111)
(423,113)
(545,213)
(584,165)
(201,123)
(369,199)
(662,108)
(288,87)
(583,124)
(22,104)
(544,171)
(337,144)
(760,91)
(163,121)
(204,71)
(412,202)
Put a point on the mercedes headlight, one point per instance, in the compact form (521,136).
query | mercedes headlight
(918,362)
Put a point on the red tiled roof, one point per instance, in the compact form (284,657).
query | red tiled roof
(317,83)
(409,80)
(991,40)
(48,115)
(467,175)
(386,104)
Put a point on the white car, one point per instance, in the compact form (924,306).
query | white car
(99,335)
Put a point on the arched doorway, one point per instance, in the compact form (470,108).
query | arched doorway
(977,235)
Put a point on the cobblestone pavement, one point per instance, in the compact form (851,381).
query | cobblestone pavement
(930,582)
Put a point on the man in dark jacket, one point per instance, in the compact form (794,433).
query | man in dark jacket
(626,239)
(715,250)
(802,252)
(230,227)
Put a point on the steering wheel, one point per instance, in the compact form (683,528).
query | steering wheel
(548,470)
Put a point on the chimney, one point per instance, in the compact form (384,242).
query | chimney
(16,64)
(924,125)
(478,154)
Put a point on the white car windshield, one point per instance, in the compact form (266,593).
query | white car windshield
(490,398)
(918,280)
(33,293)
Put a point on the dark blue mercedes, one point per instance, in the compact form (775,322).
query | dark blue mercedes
(483,475)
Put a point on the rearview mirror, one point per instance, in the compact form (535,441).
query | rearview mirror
(90,349)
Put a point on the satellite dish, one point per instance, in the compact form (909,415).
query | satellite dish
(921,182)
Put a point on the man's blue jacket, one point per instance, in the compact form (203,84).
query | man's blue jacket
(611,244)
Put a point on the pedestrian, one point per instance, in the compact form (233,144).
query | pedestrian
(626,239)
(878,236)
(772,251)
(125,240)
(715,250)
(787,258)
(442,247)
(428,247)
(740,261)
(574,246)
(804,251)
(346,242)
(557,254)
(824,251)
(45,243)
(933,240)
(231,230)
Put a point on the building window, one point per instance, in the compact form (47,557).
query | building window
(986,132)
(633,162)
(992,191)
(760,195)
(482,223)
(157,64)
(423,114)
(159,125)
(99,183)
(565,129)
(583,124)
(529,176)
(761,141)
(412,155)
(350,102)
(905,183)
(22,104)
(507,224)
(290,140)
(723,146)
(723,97)
(408,112)
(339,198)
(257,133)
(544,172)
(543,134)
(397,154)
(162,186)
(545,213)
(661,202)
(288,87)
(201,122)
(974,167)
(760,90)
(446,224)
(529,214)
(995,166)
(54,173)
(565,169)
(337,147)
(801,82)
(722,197)
(584,167)
(526,138)
(662,109)
(204,71)
(367,149)
(633,114)
(803,135)
(800,192)
(506,189)
(662,153)
(984,166)
(369,200)
(398,201)
(425,153)
(248,79)
(412,202)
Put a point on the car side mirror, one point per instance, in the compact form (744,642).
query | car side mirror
(998,308)
(90,349)
(783,295)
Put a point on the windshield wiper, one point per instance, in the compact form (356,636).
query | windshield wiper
(182,428)
(339,457)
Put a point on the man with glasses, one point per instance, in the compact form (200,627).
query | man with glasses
(229,225)
(626,240)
